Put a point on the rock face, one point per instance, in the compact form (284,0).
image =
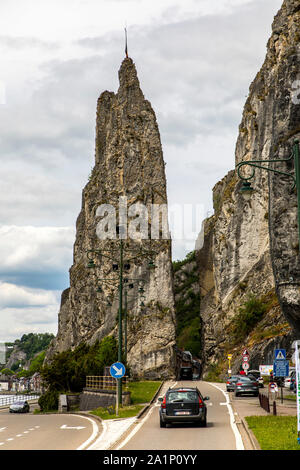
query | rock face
(252,247)
(128,176)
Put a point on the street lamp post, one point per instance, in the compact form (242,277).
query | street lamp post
(246,188)
(120,268)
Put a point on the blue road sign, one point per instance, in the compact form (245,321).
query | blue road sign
(117,370)
(281,368)
(280,354)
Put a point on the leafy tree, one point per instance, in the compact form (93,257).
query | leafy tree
(6,371)
(37,363)
(67,370)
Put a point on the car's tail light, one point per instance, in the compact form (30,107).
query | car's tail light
(239,383)
(201,404)
(163,405)
(228,382)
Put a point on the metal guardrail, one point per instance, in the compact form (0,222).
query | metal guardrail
(9,399)
(98,382)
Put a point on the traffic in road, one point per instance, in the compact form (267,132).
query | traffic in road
(220,432)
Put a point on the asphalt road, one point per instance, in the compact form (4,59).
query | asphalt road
(30,431)
(218,435)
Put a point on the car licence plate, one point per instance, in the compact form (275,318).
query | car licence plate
(182,413)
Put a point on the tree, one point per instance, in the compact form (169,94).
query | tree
(67,370)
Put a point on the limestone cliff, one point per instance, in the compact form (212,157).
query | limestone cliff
(251,248)
(128,164)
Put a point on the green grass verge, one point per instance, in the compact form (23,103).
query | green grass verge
(141,394)
(124,412)
(274,432)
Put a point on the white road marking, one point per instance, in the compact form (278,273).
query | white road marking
(19,435)
(2,429)
(65,426)
(1,443)
(238,438)
(92,436)
(10,439)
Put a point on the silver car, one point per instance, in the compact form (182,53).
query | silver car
(19,407)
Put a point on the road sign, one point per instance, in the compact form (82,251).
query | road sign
(245,353)
(245,365)
(281,368)
(117,370)
(229,356)
(246,358)
(280,354)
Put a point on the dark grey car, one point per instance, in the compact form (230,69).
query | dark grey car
(180,405)
(231,381)
(246,386)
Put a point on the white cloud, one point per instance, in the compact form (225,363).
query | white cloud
(36,256)
(18,296)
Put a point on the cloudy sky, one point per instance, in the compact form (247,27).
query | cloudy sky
(195,61)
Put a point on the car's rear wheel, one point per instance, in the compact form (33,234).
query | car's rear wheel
(162,424)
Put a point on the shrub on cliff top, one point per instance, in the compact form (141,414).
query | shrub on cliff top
(250,313)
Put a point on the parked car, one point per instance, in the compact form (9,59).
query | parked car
(288,380)
(231,381)
(180,405)
(19,407)
(259,380)
(292,385)
(246,386)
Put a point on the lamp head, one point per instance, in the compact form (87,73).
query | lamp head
(246,190)
(151,264)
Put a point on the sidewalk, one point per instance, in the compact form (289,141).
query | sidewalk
(247,406)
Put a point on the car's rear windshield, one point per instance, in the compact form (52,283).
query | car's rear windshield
(184,395)
(18,403)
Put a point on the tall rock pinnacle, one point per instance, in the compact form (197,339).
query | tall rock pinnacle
(128,176)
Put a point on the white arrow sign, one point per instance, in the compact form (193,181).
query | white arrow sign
(118,371)
(64,426)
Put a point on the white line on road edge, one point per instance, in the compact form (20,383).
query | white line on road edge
(238,438)
(93,435)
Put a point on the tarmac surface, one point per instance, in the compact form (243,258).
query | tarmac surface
(116,430)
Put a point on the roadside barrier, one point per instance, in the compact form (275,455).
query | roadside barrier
(9,399)
(265,404)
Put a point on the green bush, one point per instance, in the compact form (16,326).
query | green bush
(249,315)
(49,401)
(67,370)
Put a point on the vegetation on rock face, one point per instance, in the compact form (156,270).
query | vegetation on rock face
(31,344)
(187,304)
(250,313)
